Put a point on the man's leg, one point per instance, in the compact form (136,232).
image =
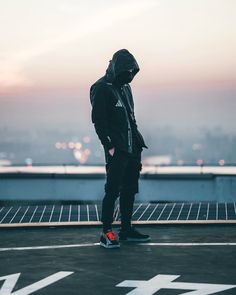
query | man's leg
(129,189)
(115,169)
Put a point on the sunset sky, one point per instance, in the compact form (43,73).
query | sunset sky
(55,49)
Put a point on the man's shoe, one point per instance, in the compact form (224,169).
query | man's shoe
(132,235)
(109,240)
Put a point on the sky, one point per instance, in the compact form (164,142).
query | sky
(52,51)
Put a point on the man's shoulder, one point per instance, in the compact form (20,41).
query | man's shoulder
(101,84)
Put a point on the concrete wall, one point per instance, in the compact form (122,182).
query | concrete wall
(157,187)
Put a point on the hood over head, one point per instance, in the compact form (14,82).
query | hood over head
(122,60)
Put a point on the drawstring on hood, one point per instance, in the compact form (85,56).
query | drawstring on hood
(122,61)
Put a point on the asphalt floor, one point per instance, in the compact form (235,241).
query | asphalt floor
(69,260)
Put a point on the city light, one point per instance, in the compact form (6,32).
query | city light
(200,162)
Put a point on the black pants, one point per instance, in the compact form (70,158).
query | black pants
(122,180)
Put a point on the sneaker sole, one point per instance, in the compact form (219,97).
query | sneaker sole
(109,246)
(136,240)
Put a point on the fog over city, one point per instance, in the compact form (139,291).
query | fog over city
(184,93)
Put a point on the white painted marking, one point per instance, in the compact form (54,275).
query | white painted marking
(153,211)
(48,247)
(208,207)
(15,214)
(11,280)
(187,244)
(159,282)
(162,212)
(1,209)
(144,211)
(96,244)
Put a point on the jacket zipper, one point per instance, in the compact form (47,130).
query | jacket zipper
(129,126)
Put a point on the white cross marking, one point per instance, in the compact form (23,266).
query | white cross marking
(166,282)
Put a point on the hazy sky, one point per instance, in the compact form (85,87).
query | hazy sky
(53,50)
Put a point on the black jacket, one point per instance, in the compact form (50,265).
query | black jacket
(109,114)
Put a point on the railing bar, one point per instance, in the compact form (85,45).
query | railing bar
(180,211)
(53,208)
(6,214)
(161,212)
(33,214)
(15,214)
(27,209)
(41,217)
(153,211)
(190,208)
(144,211)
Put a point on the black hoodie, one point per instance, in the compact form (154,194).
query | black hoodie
(109,113)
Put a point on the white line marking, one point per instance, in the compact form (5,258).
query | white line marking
(15,214)
(1,209)
(5,215)
(27,209)
(153,211)
(187,244)
(96,244)
(217,211)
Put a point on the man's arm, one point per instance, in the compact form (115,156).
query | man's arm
(98,95)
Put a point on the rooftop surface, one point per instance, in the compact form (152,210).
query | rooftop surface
(69,260)
(54,249)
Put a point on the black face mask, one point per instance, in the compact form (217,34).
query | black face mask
(125,77)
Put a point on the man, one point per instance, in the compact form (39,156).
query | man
(115,124)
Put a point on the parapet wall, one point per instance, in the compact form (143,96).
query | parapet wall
(170,187)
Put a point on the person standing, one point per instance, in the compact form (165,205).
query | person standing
(115,124)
